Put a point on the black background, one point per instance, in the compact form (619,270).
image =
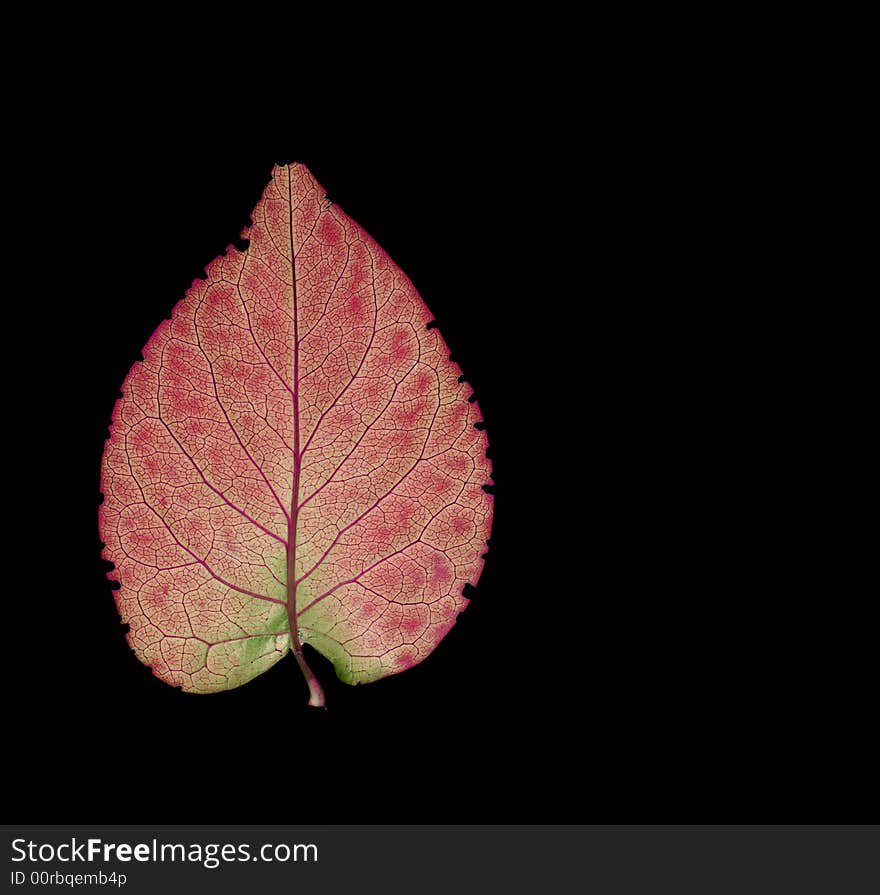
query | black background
(601,227)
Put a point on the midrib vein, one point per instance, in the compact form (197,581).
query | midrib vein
(317,694)
(294,500)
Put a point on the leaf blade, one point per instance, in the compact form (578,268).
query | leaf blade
(295,412)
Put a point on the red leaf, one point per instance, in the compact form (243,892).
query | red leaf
(294,413)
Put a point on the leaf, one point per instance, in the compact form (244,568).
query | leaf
(295,413)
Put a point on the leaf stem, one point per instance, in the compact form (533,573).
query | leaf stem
(316,697)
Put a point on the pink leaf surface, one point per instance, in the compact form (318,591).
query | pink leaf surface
(294,461)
